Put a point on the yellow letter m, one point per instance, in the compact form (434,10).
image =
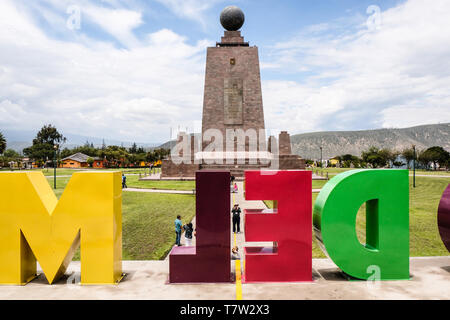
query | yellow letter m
(34,225)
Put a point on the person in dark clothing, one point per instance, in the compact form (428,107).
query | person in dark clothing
(232,178)
(124,181)
(236,219)
(188,231)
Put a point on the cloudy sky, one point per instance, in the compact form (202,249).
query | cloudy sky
(130,70)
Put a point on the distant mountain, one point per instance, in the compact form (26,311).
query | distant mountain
(20,139)
(168,145)
(354,142)
(337,143)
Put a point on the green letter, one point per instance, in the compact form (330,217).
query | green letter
(386,194)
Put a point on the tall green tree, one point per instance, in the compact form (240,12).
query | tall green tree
(133,149)
(390,156)
(90,161)
(347,160)
(424,158)
(408,155)
(12,154)
(43,145)
(2,143)
(436,155)
(374,157)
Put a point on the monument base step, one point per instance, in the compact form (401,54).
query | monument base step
(237,170)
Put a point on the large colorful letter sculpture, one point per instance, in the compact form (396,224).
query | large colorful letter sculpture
(386,194)
(35,226)
(444,218)
(289,225)
(209,261)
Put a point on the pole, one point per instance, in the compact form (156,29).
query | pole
(321,157)
(54,167)
(414,167)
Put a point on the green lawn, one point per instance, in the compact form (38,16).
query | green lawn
(424,233)
(148,221)
(60,185)
(424,203)
(335,171)
(69,172)
(133,182)
(318,184)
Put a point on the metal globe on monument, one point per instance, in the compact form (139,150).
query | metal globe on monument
(232,18)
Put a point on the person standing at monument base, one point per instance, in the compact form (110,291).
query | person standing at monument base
(188,230)
(236,219)
(178,227)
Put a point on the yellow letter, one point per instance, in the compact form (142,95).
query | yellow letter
(35,226)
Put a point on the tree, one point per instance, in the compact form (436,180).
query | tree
(348,160)
(374,157)
(408,155)
(339,159)
(2,143)
(115,156)
(157,154)
(133,149)
(90,161)
(436,155)
(389,156)
(43,145)
(424,159)
(11,154)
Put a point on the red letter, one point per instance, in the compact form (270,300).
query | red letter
(209,261)
(290,226)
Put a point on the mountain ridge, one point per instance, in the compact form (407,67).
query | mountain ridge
(335,143)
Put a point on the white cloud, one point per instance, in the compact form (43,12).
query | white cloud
(92,87)
(118,22)
(352,78)
(191,9)
(396,76)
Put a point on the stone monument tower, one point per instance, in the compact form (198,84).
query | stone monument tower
(233,97)
(233,102)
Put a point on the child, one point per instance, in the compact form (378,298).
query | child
(235,254)
(188,233)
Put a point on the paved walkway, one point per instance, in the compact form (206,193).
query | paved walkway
(429,176)
(238,198)
(147,280)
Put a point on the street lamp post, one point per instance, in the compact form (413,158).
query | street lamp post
(321,157)
(55,147)
(414,166)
